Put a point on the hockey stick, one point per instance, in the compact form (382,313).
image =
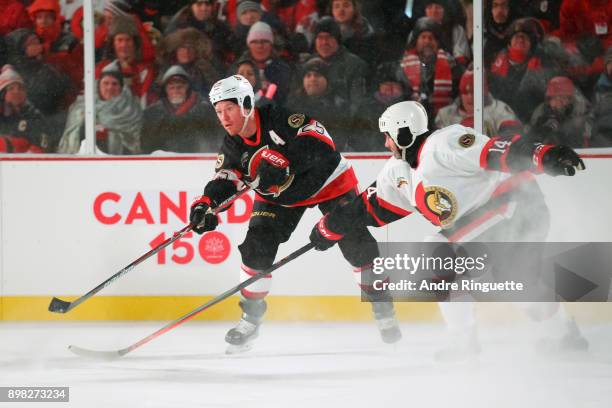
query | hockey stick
(120,353)
(61,306)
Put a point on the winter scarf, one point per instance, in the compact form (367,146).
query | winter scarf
(442,90)
(120,116)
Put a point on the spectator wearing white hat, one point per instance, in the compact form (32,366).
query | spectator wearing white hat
(247,14)
(275,74)
(48,88)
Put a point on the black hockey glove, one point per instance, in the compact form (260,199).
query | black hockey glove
(270,170)
(270,175)
(557,160)
(201,217)
(322,237)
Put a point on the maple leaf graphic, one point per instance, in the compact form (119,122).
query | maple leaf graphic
(214,245)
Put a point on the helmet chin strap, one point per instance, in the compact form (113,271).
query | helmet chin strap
(404,149)
(246,117)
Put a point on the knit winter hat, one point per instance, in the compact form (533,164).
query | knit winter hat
(442,3)
(386,72)
(560,86)
(118,7)
(424,24)
(466,84)
(247,5)
(173,71)
(44,5)
(316,64)
(260,31)
(328,25)
(123,25)
(9,76)
(113,70)
(528,25)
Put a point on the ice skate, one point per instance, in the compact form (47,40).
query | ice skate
(240,338)
(386,322)
(571,341)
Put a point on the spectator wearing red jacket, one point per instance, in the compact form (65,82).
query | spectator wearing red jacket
(427,69)
(60,48)
(520,72)
(22,127)
(13,16)
(499,118)
(114,9)
(564,118)
(580,17)
(586,31)
(291,12)
(47,19)
(124,47)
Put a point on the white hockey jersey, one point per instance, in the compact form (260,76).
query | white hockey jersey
(449,185)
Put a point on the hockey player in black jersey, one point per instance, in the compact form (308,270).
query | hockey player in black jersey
(292,163)
(474,188)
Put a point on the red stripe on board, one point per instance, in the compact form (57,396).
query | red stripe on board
(596,156)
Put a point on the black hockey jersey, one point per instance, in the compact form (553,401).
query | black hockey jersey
(317,171)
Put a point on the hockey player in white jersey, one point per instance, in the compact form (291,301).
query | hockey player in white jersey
(474,188)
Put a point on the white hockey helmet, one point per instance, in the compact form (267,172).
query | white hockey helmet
(404,121)
(234,87)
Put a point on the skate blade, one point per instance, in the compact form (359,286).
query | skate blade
(238,349)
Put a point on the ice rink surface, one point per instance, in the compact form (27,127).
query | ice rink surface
(342,365)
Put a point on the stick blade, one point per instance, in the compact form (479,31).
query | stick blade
(59,305)
(96,354)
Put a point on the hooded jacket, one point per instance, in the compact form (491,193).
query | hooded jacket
(204,70)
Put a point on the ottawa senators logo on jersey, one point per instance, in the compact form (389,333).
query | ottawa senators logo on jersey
(442,203)
(467,140)
(276,159)
(220,160)
(296,120)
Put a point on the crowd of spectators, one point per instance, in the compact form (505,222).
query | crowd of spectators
(548,66)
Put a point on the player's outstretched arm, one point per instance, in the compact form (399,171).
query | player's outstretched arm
(366,209)
(518,154)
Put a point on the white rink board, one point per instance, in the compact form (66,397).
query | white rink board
(52,242)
